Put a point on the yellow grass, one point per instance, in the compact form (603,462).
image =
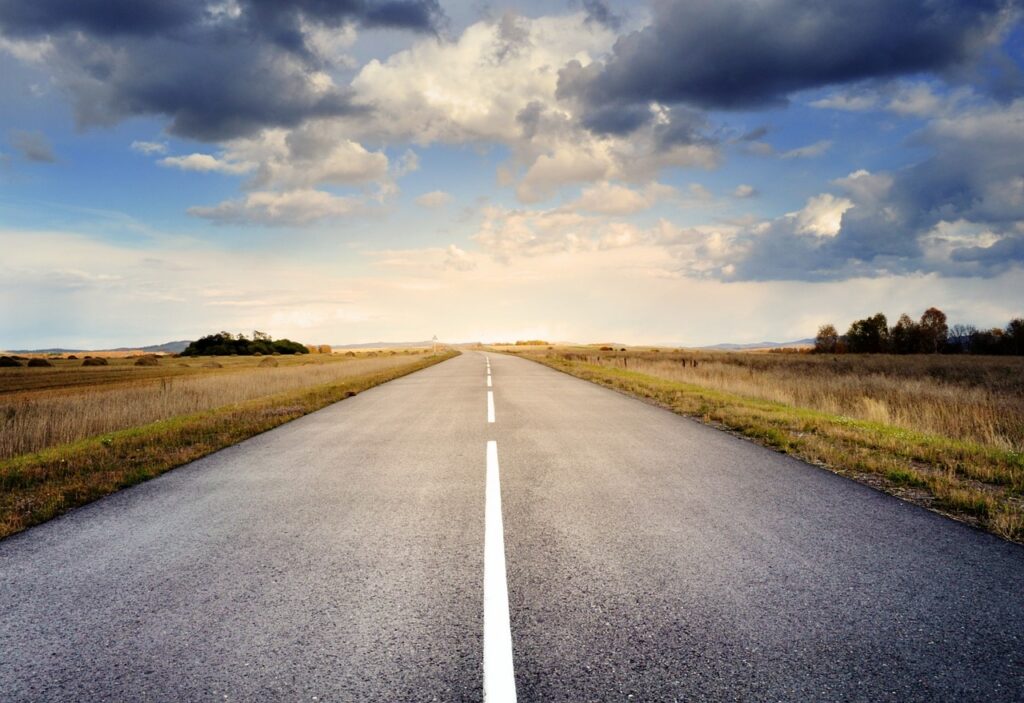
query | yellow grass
(194,416)
(944,432)
(33,420)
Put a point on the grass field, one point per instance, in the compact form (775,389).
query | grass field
(946,432)
(70,434)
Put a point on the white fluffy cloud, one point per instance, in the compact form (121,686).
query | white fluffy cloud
(822,215)
(149,148)
(497,83)
(614,199)
(434,199)
(207,163)
(295,207)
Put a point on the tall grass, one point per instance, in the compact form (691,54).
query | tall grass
(969,398)
(943,432)
(33,421)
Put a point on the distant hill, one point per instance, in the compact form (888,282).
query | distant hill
(761,345)
(165,348)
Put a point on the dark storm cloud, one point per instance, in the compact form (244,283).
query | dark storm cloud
(216,70)
(599,13)
(959,213)
(731,54)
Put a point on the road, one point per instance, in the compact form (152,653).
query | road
(630,554)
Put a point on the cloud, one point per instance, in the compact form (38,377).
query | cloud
(291,208)
(149,148)
(744,190)
(808,152)
(33,146)
(496,83)
(728,54)
(959,212)
(458,259)
(205,163)
(901,97)
(317,153)
(847,102)
(434,199)
(615,199)
(599,12)
(216,71)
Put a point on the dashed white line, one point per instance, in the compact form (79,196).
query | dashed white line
(499,674)
(488,380)
(490,406)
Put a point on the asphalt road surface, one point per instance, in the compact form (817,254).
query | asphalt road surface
(630,555)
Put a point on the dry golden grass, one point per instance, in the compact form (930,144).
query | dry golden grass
(944,432)
(119,396)
(195,416)
(963,397)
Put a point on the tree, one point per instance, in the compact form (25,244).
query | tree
(959,339)
(905,336)
(1014,337)
(827,340)
(868,336)
(933,331)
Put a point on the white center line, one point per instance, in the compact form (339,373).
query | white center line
(488,380)
(490,406)
(499,674)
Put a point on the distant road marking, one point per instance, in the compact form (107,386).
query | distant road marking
(499,674)
(490,406)
(488,380)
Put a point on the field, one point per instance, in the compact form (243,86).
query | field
(70,434)
(946,432)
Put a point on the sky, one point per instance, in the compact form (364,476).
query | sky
(682,172)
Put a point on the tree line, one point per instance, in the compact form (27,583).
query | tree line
(226,344)
(929,335)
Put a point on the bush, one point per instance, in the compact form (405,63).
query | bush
(226,344)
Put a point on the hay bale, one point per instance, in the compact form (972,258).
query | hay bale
(95,361)
(71,356)
(211,364)
(325,349)
(9,362)
(38,363)
(269,361)
(350,353)
(147,360)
